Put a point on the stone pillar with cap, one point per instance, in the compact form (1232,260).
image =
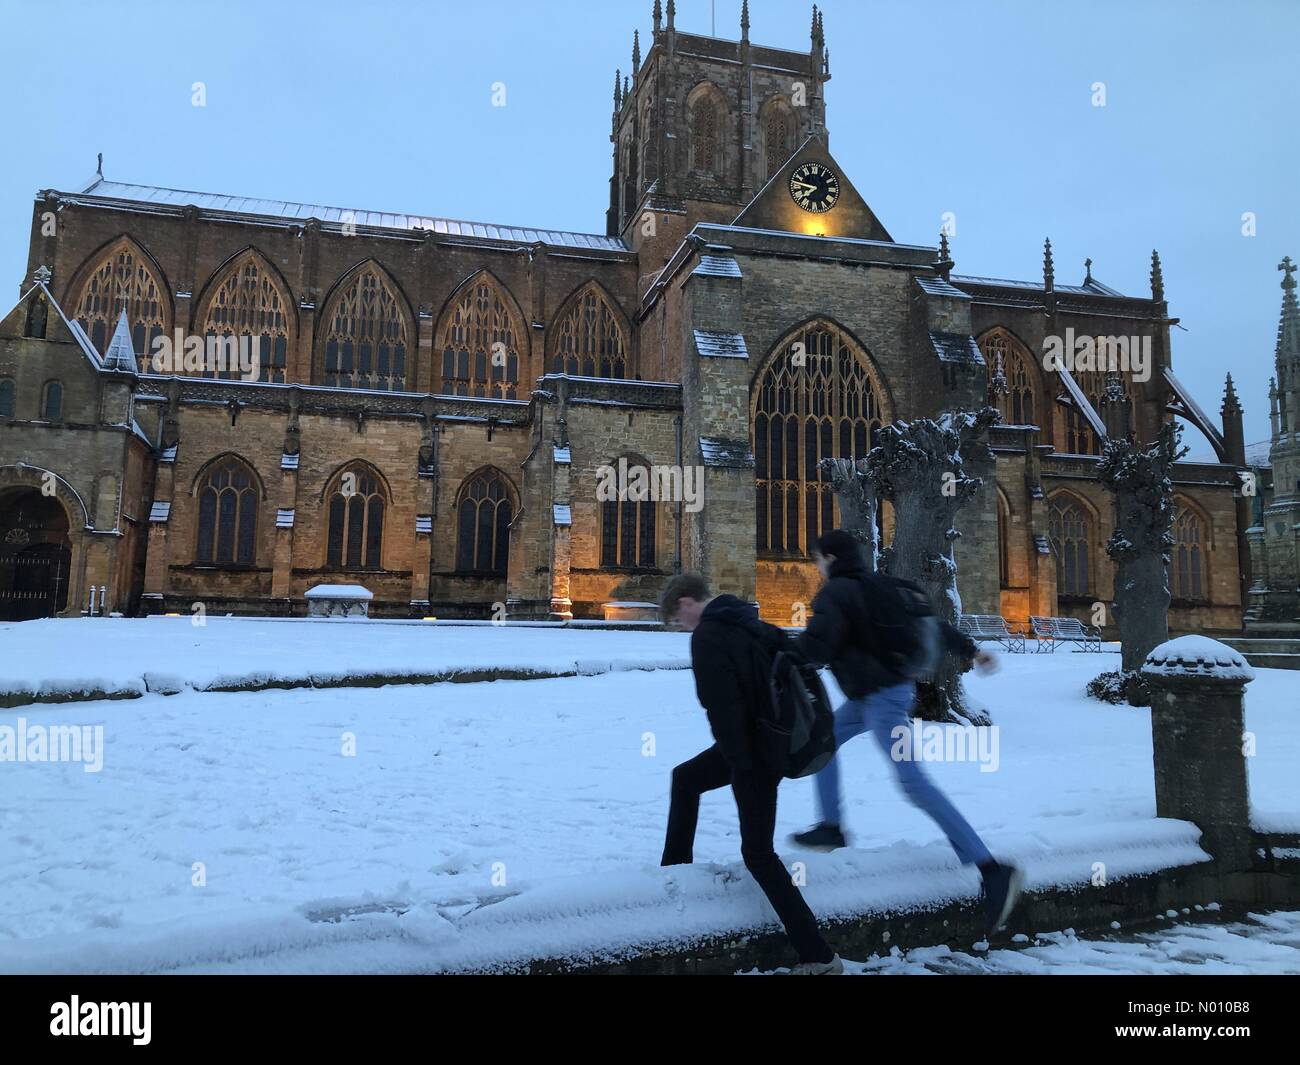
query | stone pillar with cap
(1197,725)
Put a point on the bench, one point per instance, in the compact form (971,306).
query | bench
(1049,631)
(992,627)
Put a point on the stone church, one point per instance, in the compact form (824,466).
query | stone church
(431,407)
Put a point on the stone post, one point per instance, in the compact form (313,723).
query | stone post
(1197,724)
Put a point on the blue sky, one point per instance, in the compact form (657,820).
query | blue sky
(980,108)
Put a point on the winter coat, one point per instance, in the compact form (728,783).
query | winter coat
(731,655)
(839,633)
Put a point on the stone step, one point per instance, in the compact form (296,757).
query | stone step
(1268,653)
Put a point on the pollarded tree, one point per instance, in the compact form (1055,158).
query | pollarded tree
(1139,477)
(920,467)
(858,504)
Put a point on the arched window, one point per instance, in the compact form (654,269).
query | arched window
(828,407)
(52,401)
(1080,439)
(1069,527)
(484,510)
(6,399)
(1008,367)
(1188,559)
(123,280)
(778,135)
(249,309)
(480,339)
(589,338)
(356,519)
(706,140)
(227,514)
(366,333)
(627,526)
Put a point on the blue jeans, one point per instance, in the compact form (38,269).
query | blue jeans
(882,712)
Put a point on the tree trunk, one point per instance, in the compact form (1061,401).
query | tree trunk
(857,497)
(919,467)
(1138,476)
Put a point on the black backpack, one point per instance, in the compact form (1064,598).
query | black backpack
(795,733)
(903,627)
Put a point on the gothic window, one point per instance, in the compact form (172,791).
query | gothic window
(6,399)
(249,310)
(1017,403)
(367,334)
(52,402)
(705,142)
(830,407)
(590,341)
(356,519)
(227,514)
(480,340)
(627,528)
(1069,528)
(484,511)
(1188,559)
(778,136)
(123,280)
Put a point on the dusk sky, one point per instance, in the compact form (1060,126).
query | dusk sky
(980,109)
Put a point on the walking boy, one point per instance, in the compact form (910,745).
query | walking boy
(730,652)
(839,634)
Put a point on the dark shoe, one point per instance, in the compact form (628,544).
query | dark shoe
(834,967)
(823,837)
(1002,885)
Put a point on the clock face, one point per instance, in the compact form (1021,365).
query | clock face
(815,187)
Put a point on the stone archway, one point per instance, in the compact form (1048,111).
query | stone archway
(35,555)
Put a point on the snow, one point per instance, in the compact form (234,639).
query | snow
(1198,656)
(478,825)
(338,591)
(1262,943)
(130,656)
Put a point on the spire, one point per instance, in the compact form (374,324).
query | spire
(944,263)
(1115,409)
(99,165)
(636,52)
(1288,326)
(672,14)
(121,352)
(744,20)
(1049,272)
(658,15)
(1230,401)
(618,90)
(627,87)
(1234,433)
(1157,278)
(1087,271)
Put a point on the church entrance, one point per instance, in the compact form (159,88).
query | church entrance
(35,555)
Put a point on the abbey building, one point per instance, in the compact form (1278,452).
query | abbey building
(210,398)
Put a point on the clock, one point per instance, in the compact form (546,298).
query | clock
(814,187)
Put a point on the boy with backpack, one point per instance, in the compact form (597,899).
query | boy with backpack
(879,635)
(738,662)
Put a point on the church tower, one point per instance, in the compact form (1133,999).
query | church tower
(1275,541)
(701,124)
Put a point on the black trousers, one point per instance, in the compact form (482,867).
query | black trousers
(755,794)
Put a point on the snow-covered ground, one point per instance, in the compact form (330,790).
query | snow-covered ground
(236,831)
(1263,943)
(121,654)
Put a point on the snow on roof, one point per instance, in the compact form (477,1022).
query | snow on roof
(268,208)
(937,286)
(717,266)
(720,345)
(1198,656)
(727,454)
(956,347)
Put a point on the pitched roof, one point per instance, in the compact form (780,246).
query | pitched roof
(121,350)
(102,189)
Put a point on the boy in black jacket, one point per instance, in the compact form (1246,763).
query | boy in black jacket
(730,649)
(879,701)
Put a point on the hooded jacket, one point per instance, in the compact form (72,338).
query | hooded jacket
(839,634)
(731,653)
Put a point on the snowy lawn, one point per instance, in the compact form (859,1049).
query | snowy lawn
(119,654)
(548,794)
